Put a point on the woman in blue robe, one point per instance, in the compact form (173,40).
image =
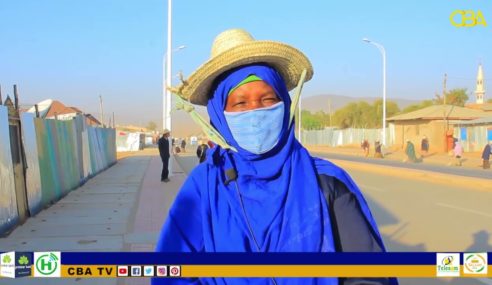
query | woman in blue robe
(265,192)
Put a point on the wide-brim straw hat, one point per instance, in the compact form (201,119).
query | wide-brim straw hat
(236,47)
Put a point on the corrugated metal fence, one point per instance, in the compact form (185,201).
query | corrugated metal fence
(60,156)
(337,137)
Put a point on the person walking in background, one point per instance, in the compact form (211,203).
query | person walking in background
(424,146)
(365,146)
(183,144)
(487,150)
(163,144)
(458,152)
(410,152)
(201,152)
(377,150)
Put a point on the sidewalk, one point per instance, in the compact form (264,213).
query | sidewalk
(470,160)
(121,209)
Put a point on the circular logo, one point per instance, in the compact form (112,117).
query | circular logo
(475,263)
(447,260)
(174,271)
(46,265)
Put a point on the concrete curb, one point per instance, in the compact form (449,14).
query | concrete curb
(426,176)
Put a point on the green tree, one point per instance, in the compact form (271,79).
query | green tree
(151,126)
(415,107)
(457,97)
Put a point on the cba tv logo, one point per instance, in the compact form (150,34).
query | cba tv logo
(467,18)
(47,264)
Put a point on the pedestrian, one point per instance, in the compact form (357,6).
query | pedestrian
(173,143)
(458,153)
(259,189)
(377,150)
(365,146)
(163,144)
(487,150)
(201,152)
(410,152)
(424,145)
(183,145)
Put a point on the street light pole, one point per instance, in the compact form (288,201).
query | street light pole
(165,84)
(383,53)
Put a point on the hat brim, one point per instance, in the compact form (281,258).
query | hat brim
(287,60)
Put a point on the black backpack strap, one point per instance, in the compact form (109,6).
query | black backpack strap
(351,230)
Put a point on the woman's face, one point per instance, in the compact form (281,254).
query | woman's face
(250,96)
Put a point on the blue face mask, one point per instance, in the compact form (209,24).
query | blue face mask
(257,131)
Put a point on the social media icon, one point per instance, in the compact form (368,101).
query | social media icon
(122,270)
(161,270)
(136,271)
(175,270)
(148,270)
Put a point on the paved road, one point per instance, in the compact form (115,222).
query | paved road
(422,216)
(476,173)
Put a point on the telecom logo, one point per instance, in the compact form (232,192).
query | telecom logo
(47,264)
(475,263)
(448,264)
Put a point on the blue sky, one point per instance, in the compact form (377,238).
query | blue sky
(74,51)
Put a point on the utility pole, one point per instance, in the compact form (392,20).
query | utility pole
(444,88)
(444,110)
(329,109)
(102,110)
(114,124)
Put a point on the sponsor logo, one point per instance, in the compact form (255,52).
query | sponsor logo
(148,270)
(174,270)
(23,264)
(475,263)
(448,264)
(136,270)
(47,264)
(122,271)
(161,270)
(7,264)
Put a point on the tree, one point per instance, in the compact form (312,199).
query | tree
(151,126)
(457,97)
(415,107)
(489,101)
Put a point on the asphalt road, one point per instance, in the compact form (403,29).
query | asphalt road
(415,215)
(476,173)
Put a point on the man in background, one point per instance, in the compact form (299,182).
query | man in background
(163,144)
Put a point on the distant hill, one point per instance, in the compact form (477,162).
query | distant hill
(320,102)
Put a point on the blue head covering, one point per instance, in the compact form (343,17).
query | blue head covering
(282,199)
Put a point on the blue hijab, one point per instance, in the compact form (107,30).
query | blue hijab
(282,199)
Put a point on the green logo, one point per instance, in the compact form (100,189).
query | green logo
(46,264)
(23,260)
(6,259)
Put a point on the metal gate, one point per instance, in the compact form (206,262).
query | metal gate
(18,157)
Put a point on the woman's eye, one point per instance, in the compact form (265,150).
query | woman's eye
(270,100)
(239,104)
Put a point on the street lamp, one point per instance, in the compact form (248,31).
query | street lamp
(383,53)
(166,82)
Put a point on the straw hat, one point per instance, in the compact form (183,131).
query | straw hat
(166,131)
(236,47)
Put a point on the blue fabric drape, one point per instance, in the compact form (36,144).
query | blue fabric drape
(282,199)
